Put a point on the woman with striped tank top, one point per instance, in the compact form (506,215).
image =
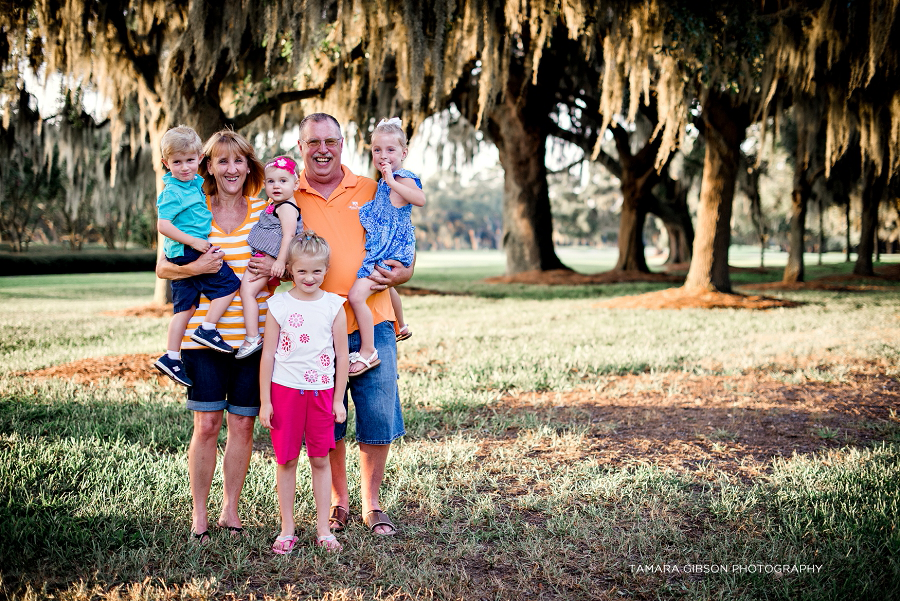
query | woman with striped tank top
(232,177)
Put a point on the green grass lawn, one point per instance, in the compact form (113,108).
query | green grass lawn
(494,499)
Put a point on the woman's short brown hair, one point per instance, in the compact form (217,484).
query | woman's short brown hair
(229,142)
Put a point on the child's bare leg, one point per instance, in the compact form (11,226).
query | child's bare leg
(176,330)
(398,308)
(359,293)
(249,290)
(286,483)
(321,482)
(217,308)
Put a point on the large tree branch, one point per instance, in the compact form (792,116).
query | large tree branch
(275,102)
(587,145)
(146,66)
(272,104)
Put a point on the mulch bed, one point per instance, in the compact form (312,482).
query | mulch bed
(680,298)
(566,277)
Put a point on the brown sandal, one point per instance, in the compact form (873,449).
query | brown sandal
(376,518)
(337,518)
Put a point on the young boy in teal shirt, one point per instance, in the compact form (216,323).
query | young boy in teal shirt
(185,221)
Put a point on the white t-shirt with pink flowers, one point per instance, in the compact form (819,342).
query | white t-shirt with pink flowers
(304,358)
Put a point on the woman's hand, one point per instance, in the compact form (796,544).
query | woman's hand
(209,262)
(260,267)
(277,268)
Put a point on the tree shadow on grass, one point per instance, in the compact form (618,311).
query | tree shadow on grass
(703,424)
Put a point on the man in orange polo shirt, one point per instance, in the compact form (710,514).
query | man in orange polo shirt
(329,197)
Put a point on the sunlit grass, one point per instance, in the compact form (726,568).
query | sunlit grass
(94,491)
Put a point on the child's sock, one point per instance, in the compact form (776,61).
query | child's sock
(174,355)
(208,326)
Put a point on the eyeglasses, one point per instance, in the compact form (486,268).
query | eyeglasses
(329,142)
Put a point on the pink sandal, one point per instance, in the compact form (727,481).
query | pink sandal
(283,545)
(329,543)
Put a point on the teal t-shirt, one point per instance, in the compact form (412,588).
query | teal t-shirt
(184,204)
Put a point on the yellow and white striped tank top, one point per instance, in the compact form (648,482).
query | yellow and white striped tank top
(237,255)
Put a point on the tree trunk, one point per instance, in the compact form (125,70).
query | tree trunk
(680,242)
(516,128)
(847,226)
(871,197)
(674,213)
(794,270)
(821,229)
(725,127)
(631,234)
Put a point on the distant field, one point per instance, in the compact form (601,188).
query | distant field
(554,450)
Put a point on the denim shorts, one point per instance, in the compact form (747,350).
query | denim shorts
(222,382)
(186,292)
(375,394)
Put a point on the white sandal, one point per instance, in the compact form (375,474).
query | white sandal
(372,362)
(249,346)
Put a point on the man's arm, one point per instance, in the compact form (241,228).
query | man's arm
(208,262)
(398,274)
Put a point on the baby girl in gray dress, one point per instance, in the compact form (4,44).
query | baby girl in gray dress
(271,235)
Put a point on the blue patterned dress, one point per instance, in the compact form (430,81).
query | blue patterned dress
(389,231)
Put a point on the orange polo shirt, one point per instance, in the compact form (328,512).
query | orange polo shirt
(336,219)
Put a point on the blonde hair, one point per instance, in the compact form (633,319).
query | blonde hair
(229,142)
(308,244)
(390,126)
(180,140)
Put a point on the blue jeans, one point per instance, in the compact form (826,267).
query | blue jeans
(222,382)
(375,394)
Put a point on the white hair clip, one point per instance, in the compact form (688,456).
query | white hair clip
(392,121)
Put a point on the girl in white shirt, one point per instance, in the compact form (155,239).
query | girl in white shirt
(303,375)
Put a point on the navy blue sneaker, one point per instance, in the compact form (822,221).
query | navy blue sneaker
(174,368)
(212,339)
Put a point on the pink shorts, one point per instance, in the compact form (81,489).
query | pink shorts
(301,413)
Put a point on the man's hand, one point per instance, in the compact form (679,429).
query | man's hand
(260,267)
(398,274)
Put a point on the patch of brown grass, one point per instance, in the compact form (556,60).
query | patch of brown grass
(151,310)
(130,369)
(692,423)
(705,424)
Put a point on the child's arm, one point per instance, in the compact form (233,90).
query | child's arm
(405,187)
(341,364)
(266,366)
(167,229)
(288,218)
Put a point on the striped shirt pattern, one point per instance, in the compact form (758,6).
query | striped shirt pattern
(237,255)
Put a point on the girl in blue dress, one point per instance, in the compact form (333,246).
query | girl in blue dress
(389,235)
